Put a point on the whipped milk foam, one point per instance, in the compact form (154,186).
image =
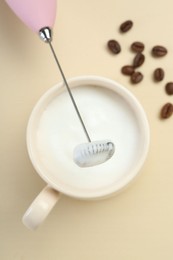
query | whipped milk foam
(106,116)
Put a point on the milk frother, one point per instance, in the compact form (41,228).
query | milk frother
(39,16)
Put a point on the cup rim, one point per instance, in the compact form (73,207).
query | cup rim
(125,93)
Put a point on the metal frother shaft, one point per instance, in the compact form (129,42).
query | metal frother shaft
(46,36)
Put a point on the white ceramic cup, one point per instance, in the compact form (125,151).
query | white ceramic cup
(109,111)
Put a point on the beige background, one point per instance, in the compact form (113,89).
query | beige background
(137,224)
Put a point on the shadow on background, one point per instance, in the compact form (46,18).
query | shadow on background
(14,33)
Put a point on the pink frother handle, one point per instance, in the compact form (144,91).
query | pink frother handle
(36,14)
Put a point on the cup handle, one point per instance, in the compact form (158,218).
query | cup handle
(40,207)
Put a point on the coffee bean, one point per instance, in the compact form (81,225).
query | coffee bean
(126,26)
(159,51)
(159,74)
(136,77)
(138,60)
(137,46)
(127,70)
(114,46)
(169,88)
(166,110)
